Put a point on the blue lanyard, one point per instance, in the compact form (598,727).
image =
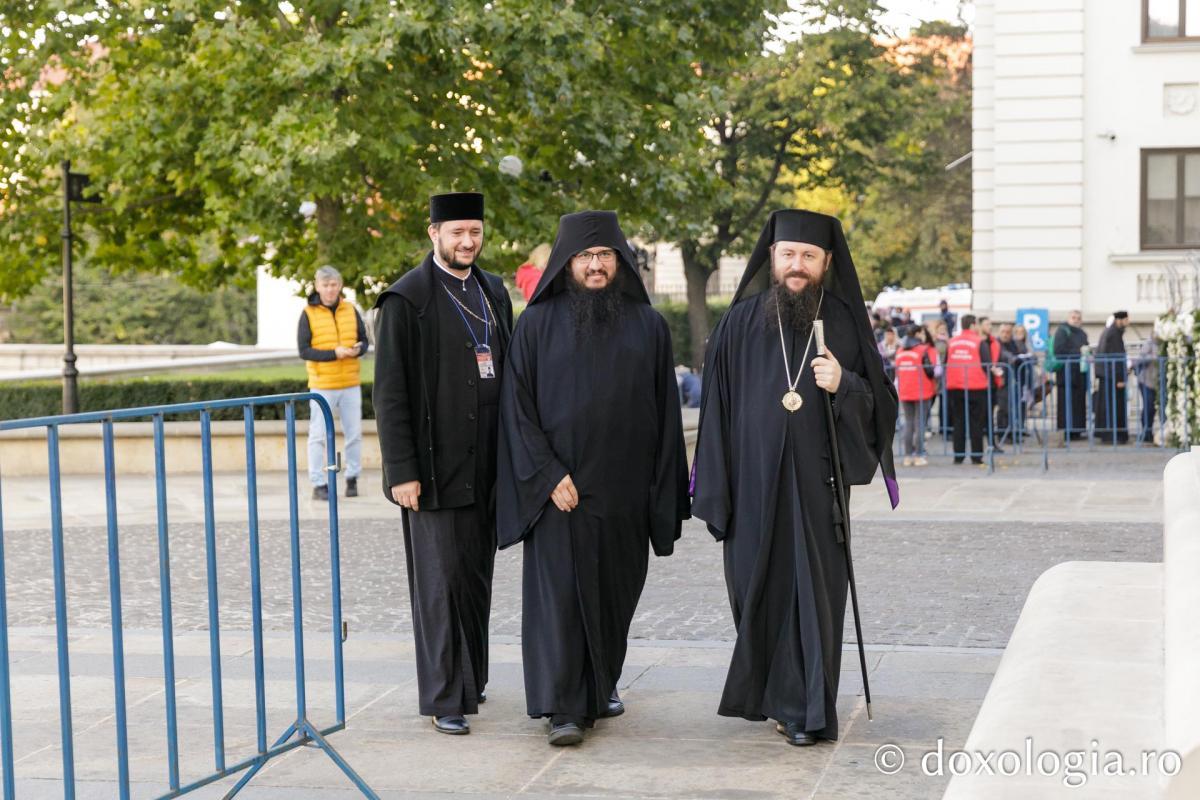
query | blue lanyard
(483,305)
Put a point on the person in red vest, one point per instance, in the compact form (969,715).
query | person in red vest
(529,273)
(968,364)
(917,371)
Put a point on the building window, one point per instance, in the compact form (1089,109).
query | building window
(1170,199)
(1170,20)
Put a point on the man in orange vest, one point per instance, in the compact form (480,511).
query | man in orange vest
(967,389)
(332,338)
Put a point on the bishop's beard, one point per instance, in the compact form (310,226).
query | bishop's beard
(796,310)
(595,310)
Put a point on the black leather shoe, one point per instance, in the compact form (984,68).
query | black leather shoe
(615,707)
(795,735)
(453,725)
(351,487)
(482,698)
(564,734)
(320,493)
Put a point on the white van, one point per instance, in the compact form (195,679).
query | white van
(925,304)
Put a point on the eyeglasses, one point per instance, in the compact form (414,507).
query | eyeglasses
(584,259)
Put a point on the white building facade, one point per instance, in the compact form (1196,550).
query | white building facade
(1086,154)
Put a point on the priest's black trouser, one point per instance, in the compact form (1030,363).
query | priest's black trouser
(450,555)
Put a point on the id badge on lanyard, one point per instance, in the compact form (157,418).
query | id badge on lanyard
(483,359)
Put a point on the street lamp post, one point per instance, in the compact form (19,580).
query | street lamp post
(70,401)
(73,185)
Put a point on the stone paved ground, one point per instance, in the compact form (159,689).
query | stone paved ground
(922,583)
(942,582)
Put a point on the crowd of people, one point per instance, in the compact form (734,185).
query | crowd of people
(985,380)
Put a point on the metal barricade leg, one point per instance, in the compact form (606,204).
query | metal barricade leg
(164,579)
(210,565)
(114,594)
(60,616)
(260,696)
(6,743)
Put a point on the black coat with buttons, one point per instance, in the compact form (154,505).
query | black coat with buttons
(435,425)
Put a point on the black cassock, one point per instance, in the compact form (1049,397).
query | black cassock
(1072,383)
(437,420)
(1109,400)
(762,483)
(606,411)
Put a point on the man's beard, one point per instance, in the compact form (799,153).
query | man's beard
(595,310)
(793,310)
(446,254)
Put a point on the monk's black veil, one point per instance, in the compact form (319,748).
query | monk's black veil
(578,232)
(842,281)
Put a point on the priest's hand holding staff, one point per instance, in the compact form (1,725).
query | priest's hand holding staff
(827,371)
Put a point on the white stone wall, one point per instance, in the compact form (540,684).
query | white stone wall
(1031,182)
(1066,96)
(1128,85)
(670,283)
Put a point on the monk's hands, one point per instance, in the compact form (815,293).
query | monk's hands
(406,495)
(827,372)
(564,495)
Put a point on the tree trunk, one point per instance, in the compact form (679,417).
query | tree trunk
(329,212)
(699,324)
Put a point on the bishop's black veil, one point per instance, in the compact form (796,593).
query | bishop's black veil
(582,230)
(841,281)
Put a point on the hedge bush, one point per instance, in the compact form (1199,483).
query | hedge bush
(19,400)
(45,399)
(677,321)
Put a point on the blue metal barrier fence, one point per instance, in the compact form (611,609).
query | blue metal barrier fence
(300,732)
(1094,401)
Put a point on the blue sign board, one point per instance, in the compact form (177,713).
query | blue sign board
(1037,326)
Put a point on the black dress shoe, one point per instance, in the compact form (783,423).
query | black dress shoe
(482,698)
(563,734)
(351,487)
(454,725)
(795,735)
(320,493)
(615,707)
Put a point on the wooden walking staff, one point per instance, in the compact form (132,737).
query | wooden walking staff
(842,510)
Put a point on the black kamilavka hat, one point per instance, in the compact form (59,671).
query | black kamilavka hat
(804,226)
(455,206)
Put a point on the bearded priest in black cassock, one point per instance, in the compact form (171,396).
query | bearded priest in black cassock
(592,471)
(763,467)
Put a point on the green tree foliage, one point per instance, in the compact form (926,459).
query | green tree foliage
(206,123)
(136,309)
(829,109)
(912,225)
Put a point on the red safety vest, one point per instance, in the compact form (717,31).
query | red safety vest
(964,370)
(912,384)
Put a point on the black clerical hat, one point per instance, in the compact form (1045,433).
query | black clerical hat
(455,205)
(794,225)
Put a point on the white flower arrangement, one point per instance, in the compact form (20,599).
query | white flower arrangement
(1178,335)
